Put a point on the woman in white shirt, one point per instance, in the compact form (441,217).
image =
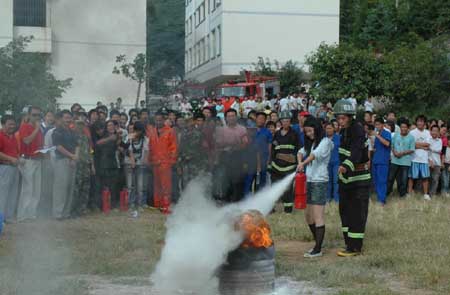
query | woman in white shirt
(314,158)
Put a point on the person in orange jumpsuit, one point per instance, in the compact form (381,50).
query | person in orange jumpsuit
(162,156)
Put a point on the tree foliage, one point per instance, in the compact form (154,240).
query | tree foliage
(418,75)
(290,74)
(345,69)
(135,70)
(381,23)
(26,79)
(406,76)
(165,43)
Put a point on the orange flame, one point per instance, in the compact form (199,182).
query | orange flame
(256,230)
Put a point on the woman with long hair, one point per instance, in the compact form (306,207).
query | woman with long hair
(314,158)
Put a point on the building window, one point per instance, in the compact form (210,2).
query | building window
(219,41)
(30,13)
(208,48)
(213,43)
(190,59)
(190,24)
(199,54)
(203,51)
(202,11)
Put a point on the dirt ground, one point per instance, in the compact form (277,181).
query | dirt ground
(406,252)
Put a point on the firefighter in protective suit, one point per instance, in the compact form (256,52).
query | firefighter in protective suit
(354,178)
(285,146)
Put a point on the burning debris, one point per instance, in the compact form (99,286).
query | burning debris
(239,255)
(256,230)
(250,269)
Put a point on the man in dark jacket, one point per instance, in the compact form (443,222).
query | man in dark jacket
(354,178)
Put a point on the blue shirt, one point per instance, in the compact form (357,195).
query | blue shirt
(334,159)
(401,144)
(301,135)
(262,140)
(382,152)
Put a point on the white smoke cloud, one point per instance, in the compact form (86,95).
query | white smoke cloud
(200,235)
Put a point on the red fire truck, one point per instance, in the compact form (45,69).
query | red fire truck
(252,86)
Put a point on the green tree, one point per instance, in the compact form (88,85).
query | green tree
(26,79)
(135,71)
(291,77)
(264,67)
(290,74)
(418,76)
(341,70)
(165,43)
(380,26)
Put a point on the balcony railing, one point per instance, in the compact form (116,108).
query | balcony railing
(30,13)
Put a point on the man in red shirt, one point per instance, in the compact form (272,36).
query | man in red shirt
(9,174)
(31,140)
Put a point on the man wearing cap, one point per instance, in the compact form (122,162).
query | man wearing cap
(9,174)
(192,157)
(354,178)
(285,146)
(31,141)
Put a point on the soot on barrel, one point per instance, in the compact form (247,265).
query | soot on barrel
(250,269)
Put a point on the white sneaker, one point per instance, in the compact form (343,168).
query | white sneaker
(313,255)
(427,197)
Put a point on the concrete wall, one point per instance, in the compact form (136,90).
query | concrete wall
(87,37)
(42,38)
(281,30)
(6,22)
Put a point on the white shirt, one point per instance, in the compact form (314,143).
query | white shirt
(140,152)
(48,142)
(293,103)
(447,156)
(435,151)
(284,104)
(353,101)
(420,155)
(368,106)
(317,170)
(185,107)
(248,105)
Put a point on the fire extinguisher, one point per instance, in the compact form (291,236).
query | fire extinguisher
(124,200)
(106,200)
(300,191)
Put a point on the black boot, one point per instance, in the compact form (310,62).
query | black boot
(320,234)
(288,209)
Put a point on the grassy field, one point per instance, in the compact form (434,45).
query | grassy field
(406,251)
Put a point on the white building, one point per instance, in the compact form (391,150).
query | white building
(82,38)
(225,37)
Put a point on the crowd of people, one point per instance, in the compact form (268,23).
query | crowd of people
(60,164)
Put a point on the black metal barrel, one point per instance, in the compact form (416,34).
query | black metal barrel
(249,271)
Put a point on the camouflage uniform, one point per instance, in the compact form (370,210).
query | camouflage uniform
(192,157)
(82,177)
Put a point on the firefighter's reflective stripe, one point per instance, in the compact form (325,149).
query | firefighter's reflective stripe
(345,229)
(288,204)
(345,152)
(283,169)
(285,146)
(356,235)
(351,179)
(349,164)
